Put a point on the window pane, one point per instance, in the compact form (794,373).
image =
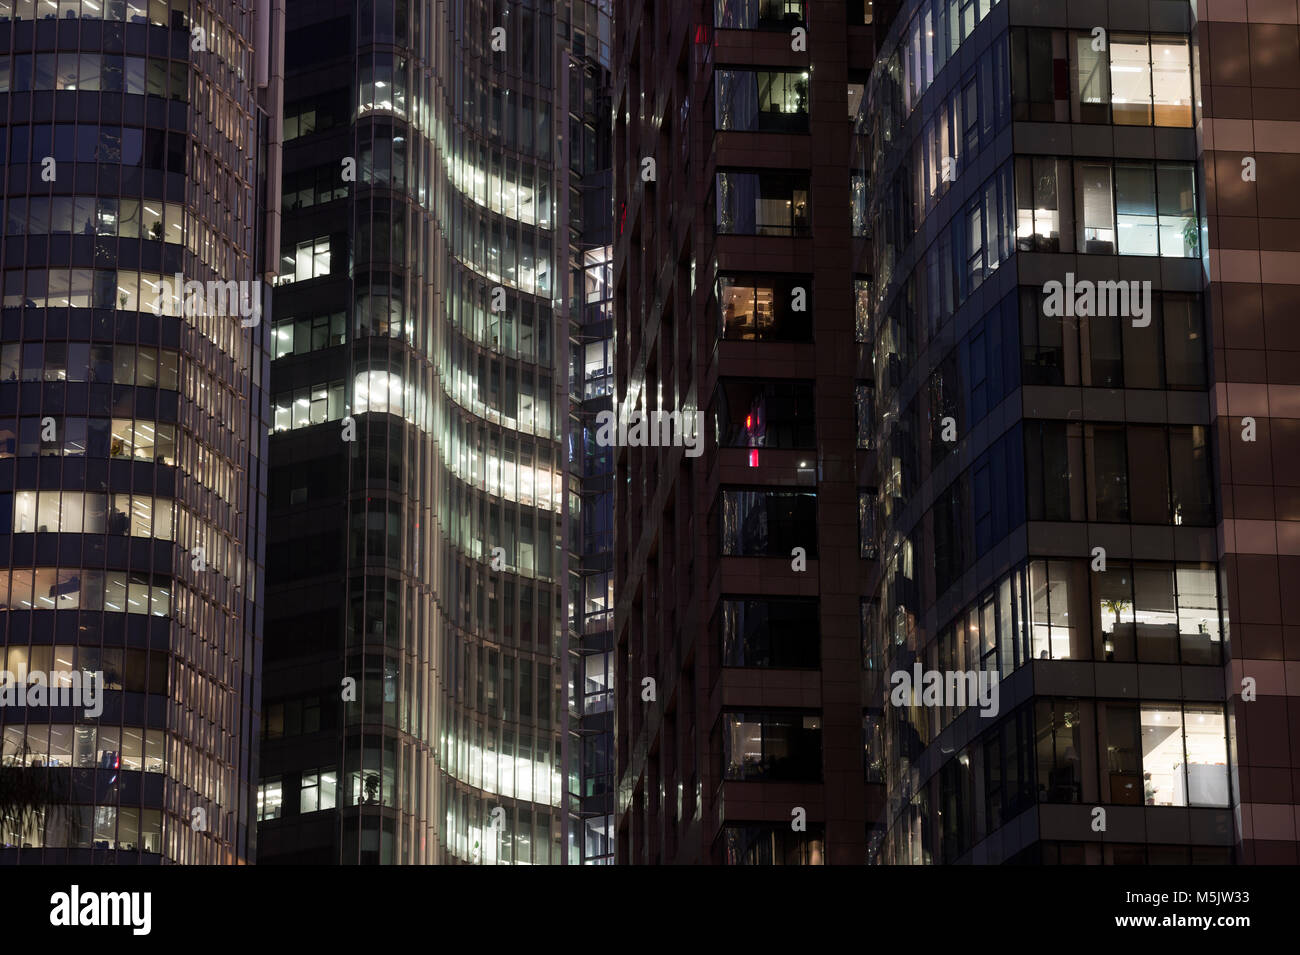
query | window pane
(1207,757)
(1189,455)
(1199,634)
(1123,737)
(1179,227)
(1172,81)
(1184,340)
(1091,82)
(1135,202)
(1130,80)
(1113,613)
(1097,223)
(1155,614)
(1143,358)
(1149,491)
(1107,477)
(1162,756)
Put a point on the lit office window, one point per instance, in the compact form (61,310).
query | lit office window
(270,799)
(307,260)
(1130,79)
(319,790)
(763,101)
(1041,183)
(1166,755)
(765,307)
(1171,80)
(1135,207)
(771,746)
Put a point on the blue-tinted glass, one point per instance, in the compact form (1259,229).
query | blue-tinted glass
(19,145)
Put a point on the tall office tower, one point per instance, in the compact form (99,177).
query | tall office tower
(140,144)
(1249,75)
(416,559)
(1047,502)
(740,562)
(590,516)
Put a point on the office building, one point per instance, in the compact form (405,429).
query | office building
(417,557)
(741,560)
(1048,413)
(140,142)
(1062,232)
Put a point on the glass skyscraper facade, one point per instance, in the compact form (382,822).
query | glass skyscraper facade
(958,526)
(138,154)
(417,552)
(1047,498)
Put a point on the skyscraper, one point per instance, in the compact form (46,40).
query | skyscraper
(740,562)
(1062,234)
(1047,442)
(417,559)
(140,179)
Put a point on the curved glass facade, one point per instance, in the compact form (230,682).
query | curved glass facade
(497,357)
(417,323)
(132,473)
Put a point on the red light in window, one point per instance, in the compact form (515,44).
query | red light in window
(753,457)
(701,34)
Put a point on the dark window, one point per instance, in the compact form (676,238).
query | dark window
(1059,741)
(1038,68)
(1189,458)
(957,808)
(770,633)
(763,523)
(1107,470)
(1184,340)
(1009,787)
(1121,732)
(1149,491)
(1049,346)
(765,414)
